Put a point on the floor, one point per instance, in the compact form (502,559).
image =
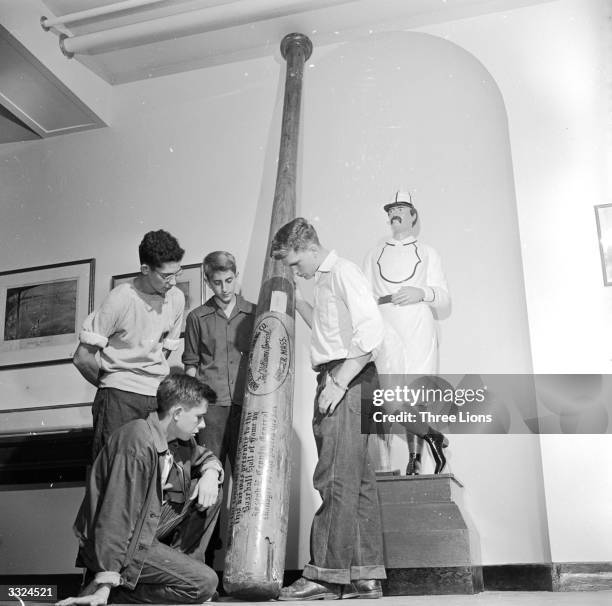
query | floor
(488,598)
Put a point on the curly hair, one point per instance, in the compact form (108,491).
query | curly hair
(293,236)
(182,389)
(159,247)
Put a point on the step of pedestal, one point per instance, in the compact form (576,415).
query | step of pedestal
(428,540)
(426,548)
(434,516)
(418,489)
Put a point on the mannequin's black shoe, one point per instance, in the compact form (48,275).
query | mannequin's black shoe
(437,443)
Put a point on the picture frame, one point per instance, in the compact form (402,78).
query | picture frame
(603,217)
(41,312)
(191,282)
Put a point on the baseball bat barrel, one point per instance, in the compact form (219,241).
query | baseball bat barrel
(255,558)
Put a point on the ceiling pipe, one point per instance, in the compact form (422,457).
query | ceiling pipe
(185,24)
(92,13)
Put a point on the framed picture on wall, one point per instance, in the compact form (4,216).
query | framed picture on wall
(191,282)
(603,216)
(41,312)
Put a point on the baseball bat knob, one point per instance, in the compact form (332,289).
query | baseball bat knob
(295,40)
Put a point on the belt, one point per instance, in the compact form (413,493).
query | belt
(384,299)
(328,365)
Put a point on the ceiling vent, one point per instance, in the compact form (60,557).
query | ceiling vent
(34,103)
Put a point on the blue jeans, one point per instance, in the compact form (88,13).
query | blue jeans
(346,536)
(174,571)
(169,577)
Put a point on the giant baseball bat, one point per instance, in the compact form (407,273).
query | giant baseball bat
(255,560)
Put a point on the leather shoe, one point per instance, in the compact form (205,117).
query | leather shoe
(364,589)
(305,589)
(437,443)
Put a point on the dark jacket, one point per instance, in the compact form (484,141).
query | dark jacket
(118,518)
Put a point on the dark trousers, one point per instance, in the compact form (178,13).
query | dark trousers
(174,571)
(113,408)
(221,432)
(346,536)
(221,437)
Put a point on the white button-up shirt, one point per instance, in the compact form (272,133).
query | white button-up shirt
(346,322)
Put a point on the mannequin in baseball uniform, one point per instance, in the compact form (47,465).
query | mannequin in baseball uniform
(407,279)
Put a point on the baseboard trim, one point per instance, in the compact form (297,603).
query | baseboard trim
(518,577)
(582,576)
(448,580)
(565,576)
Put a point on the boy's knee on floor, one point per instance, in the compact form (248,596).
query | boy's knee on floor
(207,583)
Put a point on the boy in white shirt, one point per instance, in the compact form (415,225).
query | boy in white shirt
(125,343)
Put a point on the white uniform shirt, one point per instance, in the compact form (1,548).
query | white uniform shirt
(397,263)
(346,322)
(390,266)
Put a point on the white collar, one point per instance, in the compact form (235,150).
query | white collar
(328,262)
(408,240)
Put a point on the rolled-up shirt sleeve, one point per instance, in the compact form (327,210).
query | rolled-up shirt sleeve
(108,577)
(366,321)
(171,344)
(88,336)
(102,323)
(173,339)
(204,460)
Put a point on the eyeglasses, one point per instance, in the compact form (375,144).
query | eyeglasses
(168,277)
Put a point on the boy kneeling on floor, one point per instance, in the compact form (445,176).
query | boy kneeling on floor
(151,504)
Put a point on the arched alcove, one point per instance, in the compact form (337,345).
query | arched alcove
(410,110)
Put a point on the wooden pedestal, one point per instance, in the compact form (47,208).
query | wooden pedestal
(430,545)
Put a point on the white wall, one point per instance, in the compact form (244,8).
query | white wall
(195,153)
(552,65)
(183,154)
(375,120)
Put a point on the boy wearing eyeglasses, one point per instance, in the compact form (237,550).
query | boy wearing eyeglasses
(124,345)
